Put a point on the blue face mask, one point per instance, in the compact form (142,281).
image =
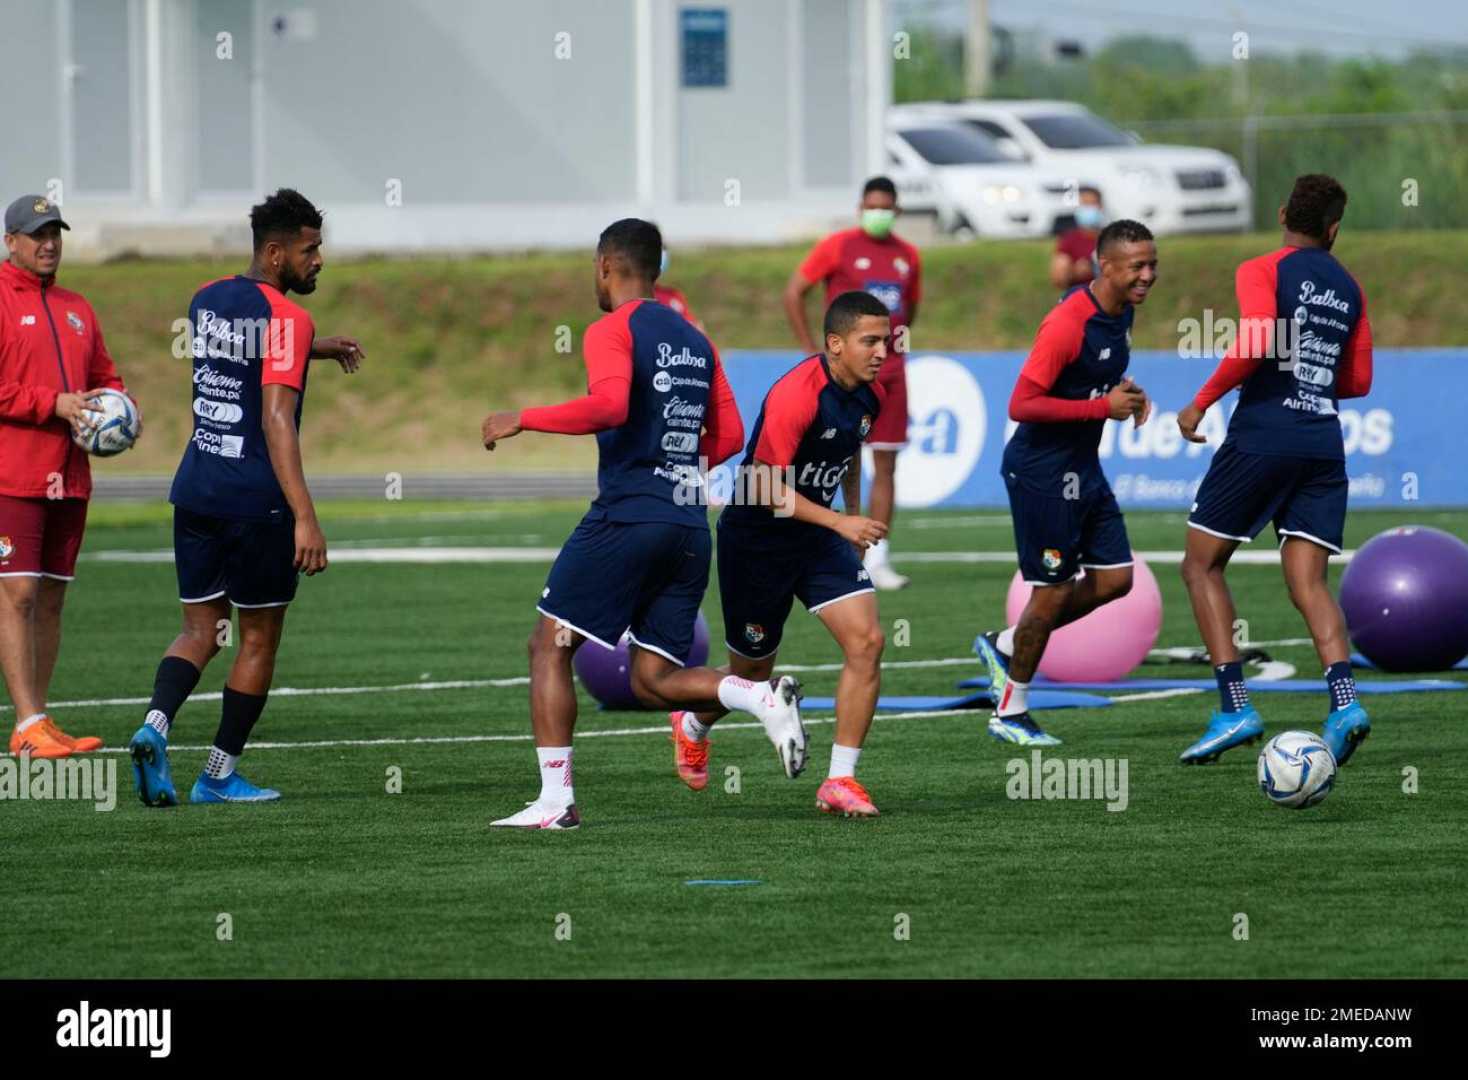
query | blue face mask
(1090,217)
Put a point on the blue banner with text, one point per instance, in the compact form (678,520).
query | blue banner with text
(1402,447)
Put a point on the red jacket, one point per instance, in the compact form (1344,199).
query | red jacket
(50,343)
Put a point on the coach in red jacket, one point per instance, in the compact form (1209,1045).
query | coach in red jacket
(52,360)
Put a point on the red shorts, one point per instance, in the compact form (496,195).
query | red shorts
(889,432)
(41,537)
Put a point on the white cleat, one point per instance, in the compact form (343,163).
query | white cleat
(539,815)
(885,578)
(781,717)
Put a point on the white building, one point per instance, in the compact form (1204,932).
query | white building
(443,124)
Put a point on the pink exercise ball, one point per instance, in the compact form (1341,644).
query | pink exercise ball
(1109,642)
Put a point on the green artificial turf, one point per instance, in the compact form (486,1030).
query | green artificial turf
(342,878)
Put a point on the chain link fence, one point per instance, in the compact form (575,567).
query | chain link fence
(1402,170)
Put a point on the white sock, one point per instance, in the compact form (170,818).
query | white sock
(220,765)
(1006,641)
(843,760)
(555,775)
(1015,698)
(30,721)
(876,555)
(693,729)
(741,694)
(158,720)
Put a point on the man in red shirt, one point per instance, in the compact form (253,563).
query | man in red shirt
(671,297)
(1074,261)
(52,361)
(870,258)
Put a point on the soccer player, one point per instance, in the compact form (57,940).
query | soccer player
(53,361)
(244,525)
(1074,260)
(1065,516)
(1283,459)
(874,259)
(781,540)
(657,399)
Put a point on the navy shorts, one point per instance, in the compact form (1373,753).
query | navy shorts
(252,563)
(1056,536)
(647,577)
(1243,492)
(760,577)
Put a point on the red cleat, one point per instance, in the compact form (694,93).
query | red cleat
(691,758)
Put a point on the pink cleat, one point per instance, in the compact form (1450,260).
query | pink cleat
(843,795)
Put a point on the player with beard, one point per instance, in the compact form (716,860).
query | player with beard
(244,525)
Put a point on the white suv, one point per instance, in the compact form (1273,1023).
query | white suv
(967,180)
(1168,188)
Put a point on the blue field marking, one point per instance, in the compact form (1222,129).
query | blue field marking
(1280,686)
(719,881)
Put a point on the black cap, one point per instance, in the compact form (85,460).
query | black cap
(29,212)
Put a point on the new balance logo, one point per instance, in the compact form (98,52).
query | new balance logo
(830,433)
(27,320)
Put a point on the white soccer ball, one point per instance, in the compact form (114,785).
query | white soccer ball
(1296,769)
(111,430)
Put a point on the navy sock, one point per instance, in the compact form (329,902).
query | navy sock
(237,719)
(1233,696)
(172,686)
(1342,684)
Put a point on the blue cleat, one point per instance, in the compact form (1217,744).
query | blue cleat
(1344,729)
(233,788)
(1225,731)
(987,648)
(1020,730)
(149,751)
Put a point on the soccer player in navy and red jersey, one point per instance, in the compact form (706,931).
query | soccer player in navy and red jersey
(1065,516)
(870,258)
(658,401)
(780,540)
(244,525)
(1283,459)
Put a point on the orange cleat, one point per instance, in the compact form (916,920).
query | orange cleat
(843,795)
(39,741)
(691,758)
(78,746)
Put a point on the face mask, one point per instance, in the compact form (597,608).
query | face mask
(877,223)
(663,264)
(1089,217)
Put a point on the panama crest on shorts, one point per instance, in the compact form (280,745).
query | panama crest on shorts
(1051,559)
(754,633)
(7,548)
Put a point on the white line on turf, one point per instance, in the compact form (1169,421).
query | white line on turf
(437,555)
(611,733)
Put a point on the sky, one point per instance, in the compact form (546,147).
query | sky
(1389,28)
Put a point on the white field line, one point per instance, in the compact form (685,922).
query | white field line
(1278,670)
(1275,671)
(438,555)
(611,733)
(457,684)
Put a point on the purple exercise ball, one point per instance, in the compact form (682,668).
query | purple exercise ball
(607,673)
(1405,598)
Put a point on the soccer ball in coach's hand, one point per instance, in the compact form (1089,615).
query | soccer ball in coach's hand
(113,427)
(1296,769)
